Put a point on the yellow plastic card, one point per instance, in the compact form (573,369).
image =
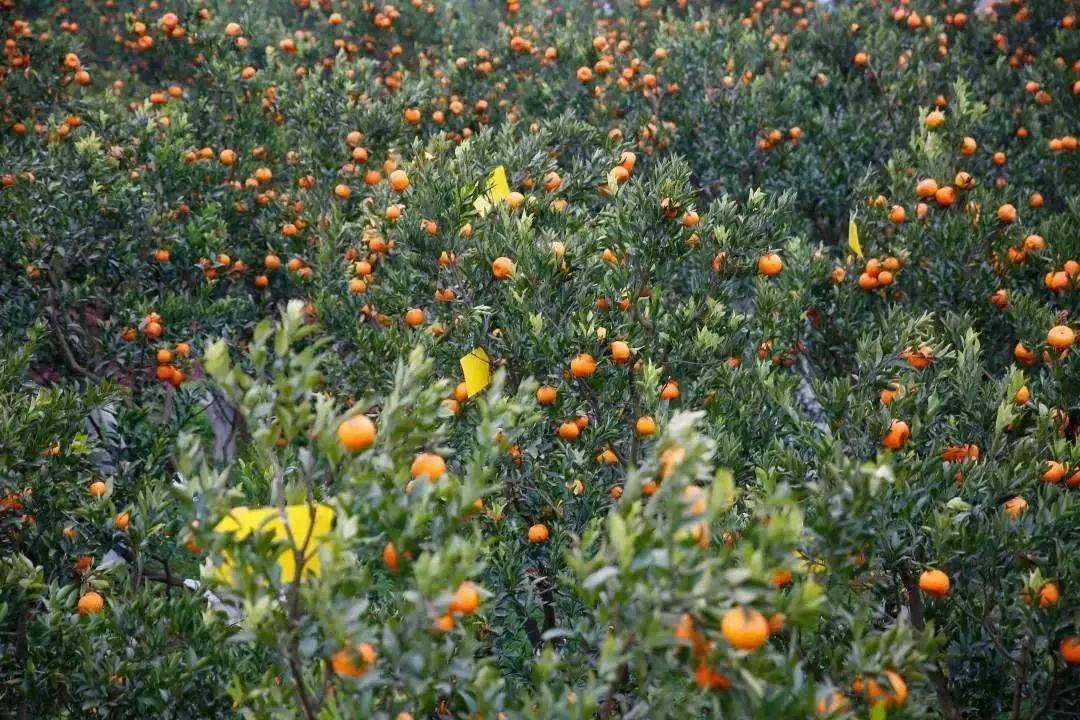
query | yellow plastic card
(853,237)
(308,524)
(498,187)
(477,369)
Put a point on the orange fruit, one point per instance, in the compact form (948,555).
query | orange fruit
(1055,472)
(356,433)
(390,557)
(1070,650)
(1060,337)
(91,603)
(343,664)
(1049,595)
(744,627)
(670,391)
(620,351)
(399,180)
(569,431)
(897,436)
(1015,506)
(770,264)
(466,599)
(414,317)
(832,704)
(428,464)
(502,268)
(546,395)
(97,488)
(645,426)
(538,533)
(1006,213)
(122,521)
(934,582)
(583,366)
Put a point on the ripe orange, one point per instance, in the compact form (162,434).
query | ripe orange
(414,317)
(620,352)
(1055,472)
(770,264)
(645,426)
(399,180)
(583,366)
(91,603)
(875,693)
(342,190)
(1070,650)
(343,664)
(934,582)
(670,391)
(1060,337)
(744,627)
(831,705)
(390,557)
(569,431)
(502,268)
(97,488)
(1006,213)
(926,188)
(1049,595)
(538,533)
(466,599)
(428,464)
(897,436)
(356,433)
(122,521)
(546,395)
(1015,506)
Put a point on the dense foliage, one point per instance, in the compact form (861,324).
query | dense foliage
(779,304)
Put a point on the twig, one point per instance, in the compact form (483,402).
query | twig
(65,348)
(918,621)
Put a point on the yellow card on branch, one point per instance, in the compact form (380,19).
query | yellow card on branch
(496,190)
(309,525)
(853,237)
(477,370)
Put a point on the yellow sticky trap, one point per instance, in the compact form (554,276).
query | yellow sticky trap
(853,237)
(497,189)
(477,369)
(309,525)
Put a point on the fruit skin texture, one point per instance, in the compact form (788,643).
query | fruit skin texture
(538,533)
(91,603)
(897,436)
(1061,337)
(745,628)
(356,433)
(546,395)
(502,268)
(934,582)
(645,426)
(1070,649)
(428,464)
(583,366)
(770,264)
